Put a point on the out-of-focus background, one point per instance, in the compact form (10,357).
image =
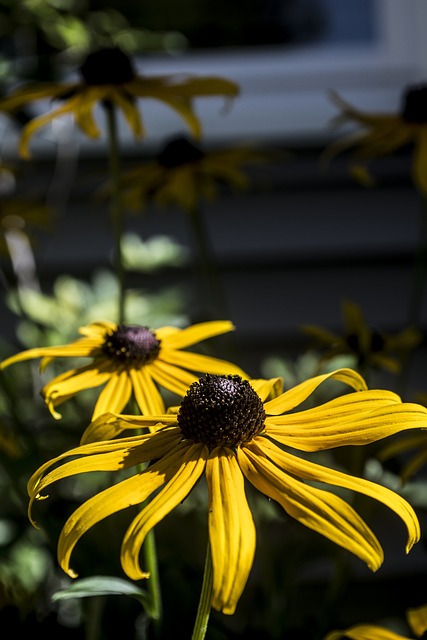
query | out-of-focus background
(299,239)
(289,248)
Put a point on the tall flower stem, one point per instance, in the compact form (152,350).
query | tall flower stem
(153,583)
(203,612)
(116,205)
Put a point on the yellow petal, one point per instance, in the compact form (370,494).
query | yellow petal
(73,350)
(314,472)
(37,123)
(83,111)
(146,393)
(170,377)
(181,477)
(231,529)
(181,338)
(115,395)
(417,619)
(202,363)
(320,510)
(295,396)
(365,632)
(325,432)
(128,492)
(130,110)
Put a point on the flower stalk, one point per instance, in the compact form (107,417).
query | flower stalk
(204,609)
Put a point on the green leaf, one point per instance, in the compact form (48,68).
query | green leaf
(103,586)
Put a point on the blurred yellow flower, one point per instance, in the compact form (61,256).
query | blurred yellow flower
(130,360)
(108,77)
(368,346)
(382,134)
(183,175)
(231,430)
(416,618)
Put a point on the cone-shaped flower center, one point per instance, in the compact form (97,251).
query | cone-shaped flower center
(221,410)
(178,152)
(132,344)
(107,66)
(415,105)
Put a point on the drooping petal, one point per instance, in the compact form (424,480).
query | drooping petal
(317,509)
(181,338)
(68,384)
(115,395)
(128,492)
(181,478)
(84,111)
(199,362)
(355,419)
(130,110)
(111,425)
(146,393)
(295,396)
(35,91)
(318,473)
(231,529)
(80,348)
(109,455)
(37,123)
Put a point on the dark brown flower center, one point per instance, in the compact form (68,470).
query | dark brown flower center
(178,152)
(131,344)
(107,66)
(221,410)
(415,105)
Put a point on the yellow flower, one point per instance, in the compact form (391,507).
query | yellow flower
(228,430)
(130,359)
(384,133)
(183,175)
(368,346)
(416,618)
(108,77)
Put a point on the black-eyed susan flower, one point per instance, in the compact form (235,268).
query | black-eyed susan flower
(230,430)
(369,346)
(382,134)
(108,77)
(416,619)
(130,360)
(183,174)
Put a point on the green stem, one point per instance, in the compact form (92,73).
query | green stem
(203,612)
(153,583)
(116,205)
